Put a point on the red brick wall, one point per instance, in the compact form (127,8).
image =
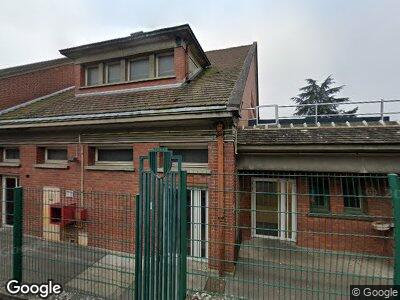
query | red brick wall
(111,214)
(341,233)
(333,233)
(222,216)
(18,89)
(245,206)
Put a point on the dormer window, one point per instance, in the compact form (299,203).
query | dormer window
(130,69)
(113,72)
(92,75)
(139,68)
(165,65)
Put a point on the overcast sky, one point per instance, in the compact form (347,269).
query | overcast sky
(358,41)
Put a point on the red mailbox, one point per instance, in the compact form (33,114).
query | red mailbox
(62,214)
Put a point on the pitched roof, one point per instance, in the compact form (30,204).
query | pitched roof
(183,32)
(33,67)
(211,87)
(379,134)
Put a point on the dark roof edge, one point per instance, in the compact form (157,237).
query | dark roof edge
(33,67)
(138,36)
(66,119)
(235,100)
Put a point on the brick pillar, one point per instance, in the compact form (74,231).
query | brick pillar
(220,196)
(222,186)
(229,217)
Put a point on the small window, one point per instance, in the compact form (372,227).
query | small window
(54,155)
(352,195)
(114,156)
(113,72)
(92,76)
(319,194)
(198,156)
(139,69)
(11,154)
(165,65)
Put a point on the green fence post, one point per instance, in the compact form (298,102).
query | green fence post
(395,191)
(17,234)
(184,241)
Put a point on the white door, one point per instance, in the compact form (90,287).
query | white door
(197,214)
(8,185)
(273,208)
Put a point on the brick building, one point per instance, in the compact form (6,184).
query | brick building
(82,123)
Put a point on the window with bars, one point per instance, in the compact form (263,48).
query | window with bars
(352,195)
(319,194)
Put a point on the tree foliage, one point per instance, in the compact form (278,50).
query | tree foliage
(314,93)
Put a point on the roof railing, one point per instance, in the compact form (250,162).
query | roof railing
(381,113)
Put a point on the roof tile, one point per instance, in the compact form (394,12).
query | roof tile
(212,87)
(322,135)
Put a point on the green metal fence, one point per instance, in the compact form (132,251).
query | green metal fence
(289,235)
(161,238)
(83,241)
(264,235)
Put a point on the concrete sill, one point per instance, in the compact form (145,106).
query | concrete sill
(344,216)
(51,166)
(192,170)
(86,87)
(110,168)
(10,164)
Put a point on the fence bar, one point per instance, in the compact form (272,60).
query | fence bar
(183,237)
(277,114)
(395,191)
(138,248)
(316,113)
(17,234)
(257,115)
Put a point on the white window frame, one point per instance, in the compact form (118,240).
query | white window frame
(86,74)
(5,159)
(54,161)
(112,63)
(282,212)
(130,66)
(161,55)
(195,224)
(112,163)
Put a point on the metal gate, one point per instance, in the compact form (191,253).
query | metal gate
(161,236)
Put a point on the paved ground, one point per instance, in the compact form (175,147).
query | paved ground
(266,269)
(272,269)
(101,274)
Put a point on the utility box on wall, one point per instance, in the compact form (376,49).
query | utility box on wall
(62,214)
(63,219)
